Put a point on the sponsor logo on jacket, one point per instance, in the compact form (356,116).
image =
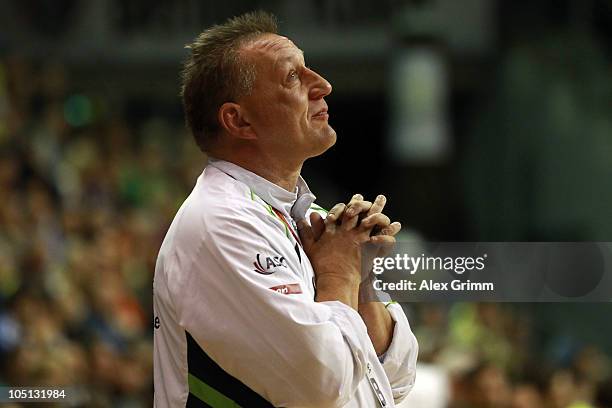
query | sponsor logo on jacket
(267,265)
(288,289)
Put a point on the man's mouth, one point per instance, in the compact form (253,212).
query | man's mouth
(322,114)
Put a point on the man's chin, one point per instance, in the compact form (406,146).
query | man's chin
(327,140)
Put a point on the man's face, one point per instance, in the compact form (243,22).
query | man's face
(286,108)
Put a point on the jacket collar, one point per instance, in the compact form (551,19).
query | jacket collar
(292,204)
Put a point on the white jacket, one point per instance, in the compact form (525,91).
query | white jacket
(234,312)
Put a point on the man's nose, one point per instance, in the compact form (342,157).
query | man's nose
(319,88)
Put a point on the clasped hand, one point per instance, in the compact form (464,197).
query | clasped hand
(334,244)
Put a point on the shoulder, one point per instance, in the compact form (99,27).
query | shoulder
(219,211)
(219,203)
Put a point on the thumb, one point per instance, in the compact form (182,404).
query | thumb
(306,234)
(318,225)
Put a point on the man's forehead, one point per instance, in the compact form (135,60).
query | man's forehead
(272,43)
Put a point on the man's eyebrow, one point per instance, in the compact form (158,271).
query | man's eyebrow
(289,57)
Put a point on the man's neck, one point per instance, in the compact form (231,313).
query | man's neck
(285,176)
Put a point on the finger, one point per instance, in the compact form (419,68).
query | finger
(356,206)
(379,220)
(318,225)
(382,239)
(352,213)
(334,214)
(355,198)
(378,204)
(306,234)
(384,244)
(392,229)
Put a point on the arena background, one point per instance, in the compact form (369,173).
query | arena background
(481,120)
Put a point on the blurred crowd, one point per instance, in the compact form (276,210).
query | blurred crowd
(489,355)
(86,197)
(86,200)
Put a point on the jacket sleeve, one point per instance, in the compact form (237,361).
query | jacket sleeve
(288,348)
(399,361)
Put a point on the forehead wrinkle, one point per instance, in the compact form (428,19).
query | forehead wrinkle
(279,42)
(275,43)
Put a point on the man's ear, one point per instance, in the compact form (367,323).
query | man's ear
(232,119)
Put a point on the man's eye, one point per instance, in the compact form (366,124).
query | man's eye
(292,75)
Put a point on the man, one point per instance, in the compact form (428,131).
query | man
(251,310)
